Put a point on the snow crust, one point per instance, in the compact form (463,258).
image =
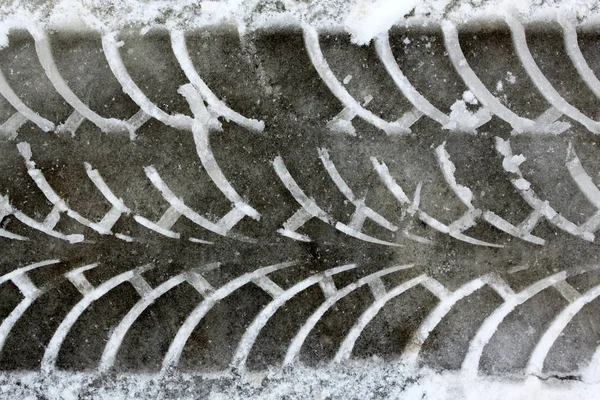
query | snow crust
(368,19)
(362,19)
(357,380)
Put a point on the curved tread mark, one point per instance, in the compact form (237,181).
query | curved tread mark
(103,227)
(546,123)
(474,84)
(241,208)
(203,123)
(173,355)
(541,209)
(29,291)
(574,52)
(411,352)
(115,62)
(362,211)
(168,219)
(163,226)
(215,105)
(280,297)
(9,235)
(44,52)
(577,302)
(5,211)
(309,209)
(487,329)
(412,208)
(331,299)
(193,277)
(381,299)
(47,226)
(586,185)
(222,227)
(540,81)
(384,51)
(465,195)
(90,294)
(448,299)
(352,107)
(7,92)
(20,271)
(470,365)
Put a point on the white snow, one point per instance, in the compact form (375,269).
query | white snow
(511,164)
(510,78)
(368,18)
(362,19)
(469,97)
(360,379)
(461,117)
(522,184)
(448,169)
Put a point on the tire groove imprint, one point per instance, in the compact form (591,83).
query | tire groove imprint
(546,123)
(242,205)
(381,296)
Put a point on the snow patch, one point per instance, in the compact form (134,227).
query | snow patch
(463,119)
(510,78)
(522,184)
(469,97)
(511,164)
(369,18)
(499,87)
(448,169)
(359,379)
(363,19)
(5,207)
